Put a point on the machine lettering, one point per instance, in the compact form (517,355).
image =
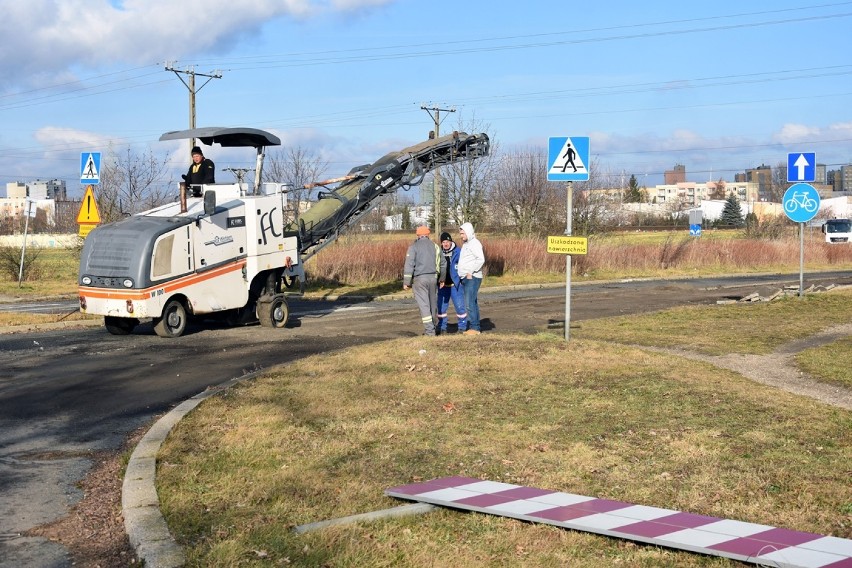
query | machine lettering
(267,224)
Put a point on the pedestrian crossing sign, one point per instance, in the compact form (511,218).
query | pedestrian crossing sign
(90,168)
(568,158)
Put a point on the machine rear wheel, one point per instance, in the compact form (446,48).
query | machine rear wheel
(173,322)
(120,326)
(273,313)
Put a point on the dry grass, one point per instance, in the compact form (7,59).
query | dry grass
(324,437)
(373,263)
(737,328)
(615,256)
(23,318)
(830,364)
(54,274)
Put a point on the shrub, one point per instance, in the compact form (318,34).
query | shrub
(10,263)
(770,228)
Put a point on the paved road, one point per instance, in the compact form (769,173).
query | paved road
(64,394)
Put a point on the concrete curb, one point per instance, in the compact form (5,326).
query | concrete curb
(144,523)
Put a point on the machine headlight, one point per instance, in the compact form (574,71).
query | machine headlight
(86,280)
(128,283)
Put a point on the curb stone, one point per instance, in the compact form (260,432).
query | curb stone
(143,521)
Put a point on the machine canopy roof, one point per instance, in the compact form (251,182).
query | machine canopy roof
(231,137)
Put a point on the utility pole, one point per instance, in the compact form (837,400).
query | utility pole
(191,74)
(436,177)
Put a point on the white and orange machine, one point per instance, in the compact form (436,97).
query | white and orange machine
(228,250)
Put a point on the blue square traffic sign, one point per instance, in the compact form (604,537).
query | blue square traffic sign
(801,166)
(90,168)
(568,158)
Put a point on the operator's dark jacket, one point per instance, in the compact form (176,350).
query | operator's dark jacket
(204,172)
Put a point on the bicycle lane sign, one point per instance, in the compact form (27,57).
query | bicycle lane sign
(801,202)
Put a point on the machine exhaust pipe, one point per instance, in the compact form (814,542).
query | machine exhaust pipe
(182,197)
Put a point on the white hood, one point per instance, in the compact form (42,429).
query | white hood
(468,231)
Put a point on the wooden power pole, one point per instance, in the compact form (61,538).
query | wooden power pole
(190,84)
(436,177)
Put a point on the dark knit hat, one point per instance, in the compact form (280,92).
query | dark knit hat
(196,150)
(446,237)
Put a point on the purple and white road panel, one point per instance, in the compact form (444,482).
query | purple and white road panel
(747,542)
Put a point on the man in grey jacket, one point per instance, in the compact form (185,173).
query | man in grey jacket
(423,263)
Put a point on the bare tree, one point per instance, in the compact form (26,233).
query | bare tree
(131,182)
(65,216)
(465,184)
(778,184)
(296,166)
(521,191)
(592,208)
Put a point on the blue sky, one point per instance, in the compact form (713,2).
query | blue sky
(718,87)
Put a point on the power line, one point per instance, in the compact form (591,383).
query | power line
(286,60)
(191,73)
(267,61)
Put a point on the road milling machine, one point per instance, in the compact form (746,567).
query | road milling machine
(229,250)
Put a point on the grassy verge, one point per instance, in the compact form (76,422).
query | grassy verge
(830,363)
(22,318)
(322,438)
(737,328)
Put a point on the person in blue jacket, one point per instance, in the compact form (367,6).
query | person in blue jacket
(449,286)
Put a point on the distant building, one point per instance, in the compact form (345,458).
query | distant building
(16,190)
(417,215)
(675,175)
(52,189)
(691,194)
(820,177)
(762,176)
(38,189)
(845,178)
(22,198)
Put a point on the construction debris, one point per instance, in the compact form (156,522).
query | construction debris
(768,295)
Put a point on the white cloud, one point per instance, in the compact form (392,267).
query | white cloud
(792,133)
(841,129)
(43,39)
(54,139)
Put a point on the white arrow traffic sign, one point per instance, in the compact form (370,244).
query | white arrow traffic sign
(801,166)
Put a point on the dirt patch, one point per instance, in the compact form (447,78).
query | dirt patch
(93,531)
(779,370)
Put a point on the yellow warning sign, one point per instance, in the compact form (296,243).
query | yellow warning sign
(86,229)
(89,208)
(568,245)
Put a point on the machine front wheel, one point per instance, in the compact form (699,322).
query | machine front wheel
(273,313)
(173,322)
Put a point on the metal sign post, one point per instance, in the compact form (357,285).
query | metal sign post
(568,161)
(801,203)
(24,248)
(569,190)
(801,259)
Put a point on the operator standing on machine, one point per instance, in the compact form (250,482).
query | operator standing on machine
(201,170)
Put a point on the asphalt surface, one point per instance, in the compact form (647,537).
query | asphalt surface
(66,393)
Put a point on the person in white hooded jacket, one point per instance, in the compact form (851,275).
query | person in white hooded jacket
(471,261)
